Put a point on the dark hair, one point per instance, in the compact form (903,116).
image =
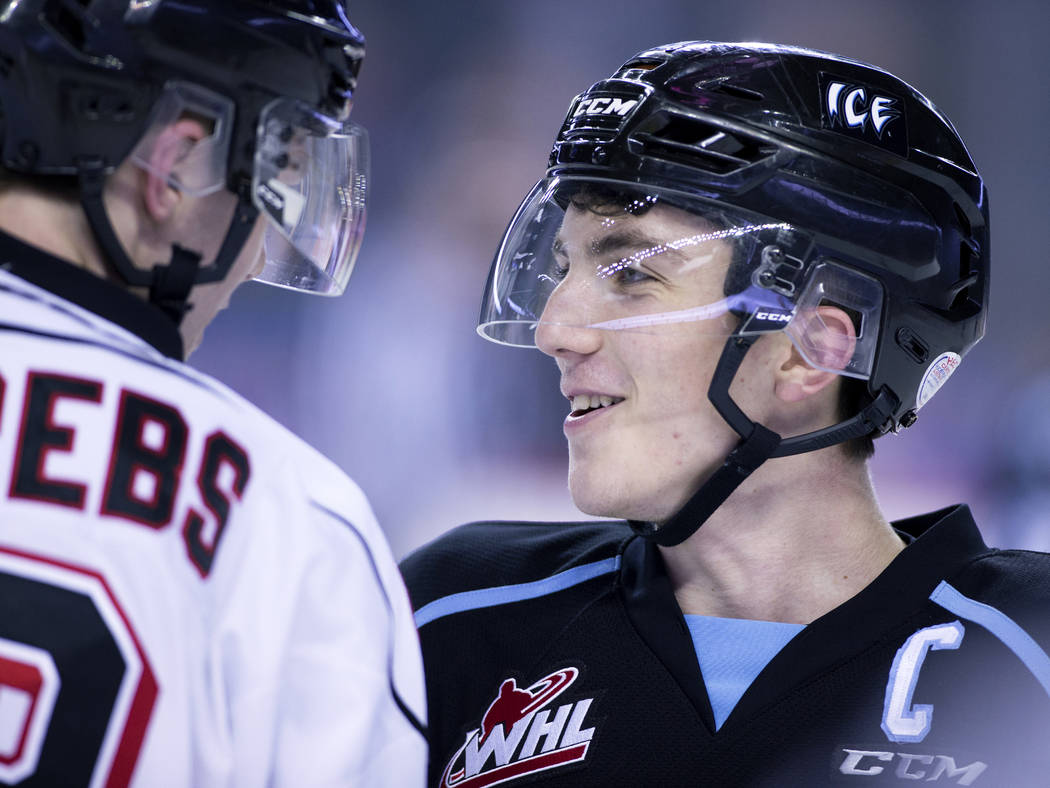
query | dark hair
(608,201)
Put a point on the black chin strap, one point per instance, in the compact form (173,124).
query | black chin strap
(170,284)
(92,176)
(758,445)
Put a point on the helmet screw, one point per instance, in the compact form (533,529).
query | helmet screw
(599,155)
(909,418)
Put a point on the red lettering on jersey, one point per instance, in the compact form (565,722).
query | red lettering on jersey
(23,683)
(3,388)
(220,451)
(134,458)
(70,621)
(39,435)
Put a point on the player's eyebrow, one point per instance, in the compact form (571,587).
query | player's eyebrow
(630,244)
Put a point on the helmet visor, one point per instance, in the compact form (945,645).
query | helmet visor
(310,181)
(608,255)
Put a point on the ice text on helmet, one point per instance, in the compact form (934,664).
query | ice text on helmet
(605,105)
(849,104)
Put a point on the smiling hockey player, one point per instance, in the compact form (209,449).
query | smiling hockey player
(747,261)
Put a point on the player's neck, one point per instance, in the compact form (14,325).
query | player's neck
(799,538)
(50,223)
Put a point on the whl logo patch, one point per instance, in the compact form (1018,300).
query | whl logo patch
(860,111)
(523,732)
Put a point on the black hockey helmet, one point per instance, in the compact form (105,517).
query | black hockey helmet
(836,183)
(84,82)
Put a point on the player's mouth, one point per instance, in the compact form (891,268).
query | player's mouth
(585,407)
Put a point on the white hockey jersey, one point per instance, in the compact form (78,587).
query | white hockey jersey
(189,594)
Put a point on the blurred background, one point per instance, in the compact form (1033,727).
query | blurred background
(462,101)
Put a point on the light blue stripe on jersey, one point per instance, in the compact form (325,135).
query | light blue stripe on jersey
(1000,625)
(732,652)
(502,595)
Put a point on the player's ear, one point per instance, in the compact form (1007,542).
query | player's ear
(829,338)
(169,149)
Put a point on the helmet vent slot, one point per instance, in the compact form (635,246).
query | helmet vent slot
(967,256)
(69,18)
(963,305)
(636,68)
(741,93)
(912,344)
(967,297)
(964,223)
(686,140)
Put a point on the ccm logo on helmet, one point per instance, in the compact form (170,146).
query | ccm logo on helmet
(776,317)
(606,105)
(849,105)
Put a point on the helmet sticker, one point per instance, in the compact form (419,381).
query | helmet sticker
(936,375)
(604,105)
(605,110)
(767,319)
(860,111)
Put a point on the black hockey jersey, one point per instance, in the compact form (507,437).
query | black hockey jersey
(557,654)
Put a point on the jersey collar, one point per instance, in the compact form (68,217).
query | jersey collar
(91,292)
(941,544)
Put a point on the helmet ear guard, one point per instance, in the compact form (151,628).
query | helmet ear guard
(826,338)
(200,168)
(860,298)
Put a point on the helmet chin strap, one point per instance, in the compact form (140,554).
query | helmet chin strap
(169,285)
(758,444)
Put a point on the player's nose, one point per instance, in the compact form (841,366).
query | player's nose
(563,329)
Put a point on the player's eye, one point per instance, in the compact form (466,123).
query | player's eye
(560,268)
(627,276)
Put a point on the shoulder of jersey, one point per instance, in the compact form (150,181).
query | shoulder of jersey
(289,459)
(485,554)
(326,485)
(1015,582)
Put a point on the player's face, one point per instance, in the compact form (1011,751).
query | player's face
(641,456)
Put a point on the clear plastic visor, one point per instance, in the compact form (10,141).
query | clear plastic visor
(310,178)
(195,167)
(604,255)
(310,181)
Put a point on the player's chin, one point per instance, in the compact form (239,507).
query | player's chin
(598,493)
(601,490)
